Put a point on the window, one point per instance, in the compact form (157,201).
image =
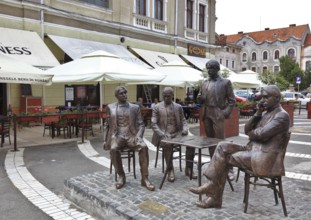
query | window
(265,55)
(141,7)
(244,57)
(202,18)
(264,69)
(243,69)
(232,64)
(308,66)
(227,49)
(158,9)
(253,56)
(233,50)
(276,69)
(254,69)
(101,3)
(291,53)
(220,61)
(276,54)
(189,13)
(227,63)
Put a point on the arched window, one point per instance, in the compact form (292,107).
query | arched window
(276,69)
(291,53)
(264,69)
(254,69)
(265,55)
(254,56)
(244,57)
(276,54)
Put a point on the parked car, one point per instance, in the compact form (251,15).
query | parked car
(245,93)
(240,99)
(308,95)
(287,96)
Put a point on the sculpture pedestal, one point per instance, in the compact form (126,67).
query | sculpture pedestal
(309,110)
(289,108)
(231,124)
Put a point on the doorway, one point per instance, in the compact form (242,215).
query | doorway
(3,99)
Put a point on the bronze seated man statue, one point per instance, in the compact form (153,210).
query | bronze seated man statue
(266,130)
(125,129)
(168,121)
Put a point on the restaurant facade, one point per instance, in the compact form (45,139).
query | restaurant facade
(146,32)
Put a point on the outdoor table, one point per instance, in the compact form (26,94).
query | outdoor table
(196,142)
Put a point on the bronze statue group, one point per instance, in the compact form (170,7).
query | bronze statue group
(266,129)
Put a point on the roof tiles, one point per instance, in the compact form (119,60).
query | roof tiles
(267,35)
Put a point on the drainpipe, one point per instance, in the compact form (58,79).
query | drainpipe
(42,18)
(176,23)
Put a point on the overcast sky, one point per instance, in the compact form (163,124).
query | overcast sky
(255,15)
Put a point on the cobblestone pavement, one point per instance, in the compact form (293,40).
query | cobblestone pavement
(96,194)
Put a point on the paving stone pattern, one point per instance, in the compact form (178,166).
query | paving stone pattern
(97,194)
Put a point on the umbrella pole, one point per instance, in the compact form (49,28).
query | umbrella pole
(8,92)
(175,93)
(43,97)
(101,102)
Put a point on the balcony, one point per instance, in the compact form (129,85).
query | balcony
(196,35)
(150,23)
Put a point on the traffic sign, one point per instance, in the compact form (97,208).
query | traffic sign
(298,80)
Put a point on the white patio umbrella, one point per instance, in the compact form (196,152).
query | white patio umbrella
(15,71)
(178,74)
(104,67)
(101,66)
(246,79)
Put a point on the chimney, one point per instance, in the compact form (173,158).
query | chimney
(266,29)
(240,32)
(292,25)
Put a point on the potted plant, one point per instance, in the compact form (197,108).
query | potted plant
(246,108)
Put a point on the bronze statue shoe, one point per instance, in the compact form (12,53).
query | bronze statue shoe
(171,176)
(188,173)
(121,182)
(146,183)
(204,189)
(210,202)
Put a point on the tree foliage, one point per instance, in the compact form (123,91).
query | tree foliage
(290,70)
(269,78)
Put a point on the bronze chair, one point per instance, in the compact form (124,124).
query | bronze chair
(176,148)
(4,129)
(194,115)
(272,182)
(126,154)
(87,121)
(62,126)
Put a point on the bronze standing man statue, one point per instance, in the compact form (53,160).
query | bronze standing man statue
(266,130)
(168,121)
(217,98)
(125,129)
